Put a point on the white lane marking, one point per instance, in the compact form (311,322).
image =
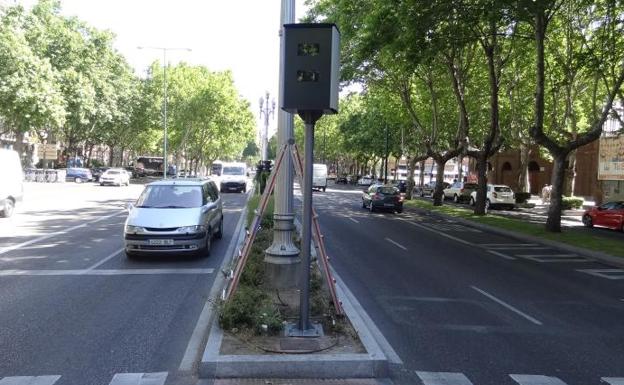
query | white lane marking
(110,256)
(438,232)
(501,255)
(354,220)
(139,378)
(613,380)
(396,244)
(526,248)
(604,273)
(549,256)
(44,237)
(508,244)
(554,258)
(443,378)
(5,273)
(531,379)
(508,306)
(204,321)
(29,380)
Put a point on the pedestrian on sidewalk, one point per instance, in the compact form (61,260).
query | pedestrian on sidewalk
(546,190)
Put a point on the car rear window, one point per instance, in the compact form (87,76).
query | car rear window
(112,172)
(388,190)
(472,186)
(171,196)
(502,189)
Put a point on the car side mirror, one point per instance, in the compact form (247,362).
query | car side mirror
(129,206)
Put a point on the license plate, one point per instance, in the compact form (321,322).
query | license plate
(161,242)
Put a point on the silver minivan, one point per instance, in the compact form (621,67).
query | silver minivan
(174,216)
(11,182)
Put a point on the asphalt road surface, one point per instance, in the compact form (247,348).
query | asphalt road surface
(75,311)
(461,306)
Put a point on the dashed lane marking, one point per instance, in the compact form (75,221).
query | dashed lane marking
(530,379)
(504,245)
(29,380)
(354,220)
(508,306)
(501,255)
(604,273)
(6,273)
(613,380)
(438,232)
(443,378)
(396,244)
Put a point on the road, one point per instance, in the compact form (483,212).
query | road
(461,306)
(75,311)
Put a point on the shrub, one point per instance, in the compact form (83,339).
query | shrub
(571,203)
(522,197)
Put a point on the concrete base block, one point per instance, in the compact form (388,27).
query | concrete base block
(281,272)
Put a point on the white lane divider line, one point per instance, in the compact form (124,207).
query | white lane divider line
(396,244)
(139,378)
(47,236)
(613,380)
(554,258)
(604,273)
(25,273)
(443,378)
(354,220)
(508,306)
(29,380)
(106,259)
(531,379)
(438,232)
(501,255)
(504,245)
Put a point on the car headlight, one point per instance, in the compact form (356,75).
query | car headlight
(191,229)
(134,229)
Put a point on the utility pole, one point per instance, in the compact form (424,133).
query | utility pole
(267,111)
(282,257)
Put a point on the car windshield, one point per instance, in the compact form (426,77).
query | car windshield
(232,170)
(170,196)
(113,172)
(502,189)
(388,190)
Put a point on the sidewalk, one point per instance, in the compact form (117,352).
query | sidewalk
(539,213)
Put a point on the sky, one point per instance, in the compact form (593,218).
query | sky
(237,35)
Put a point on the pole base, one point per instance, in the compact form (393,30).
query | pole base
(292,330)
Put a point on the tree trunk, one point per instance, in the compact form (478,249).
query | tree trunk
(19,146)
(523,176)
(460,170)
(482,182)
(110,156)
(438,196)
(410,177)
(422,173)
(553,223)
(570,174)
(89,154)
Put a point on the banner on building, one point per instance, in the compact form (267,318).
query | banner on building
(611,158)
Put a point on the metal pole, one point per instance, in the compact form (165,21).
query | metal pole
(282,257)
(165,114)
(304,301)
(386,156)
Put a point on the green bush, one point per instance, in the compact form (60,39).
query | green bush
(522,197)
(568,203)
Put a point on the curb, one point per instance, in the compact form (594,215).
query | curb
(603,257)
(373,364)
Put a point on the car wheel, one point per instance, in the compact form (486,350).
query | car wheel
(244,190)
(399,210)
(370,207)
(101,184)
(78,180)
(130,254)
(487,205)
(455,198)
(363,204)
(472,201)
(587,221)
(422,194)
(7,208)
(324,188)
(219,233)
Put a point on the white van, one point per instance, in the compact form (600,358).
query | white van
(319,177)
(11,182)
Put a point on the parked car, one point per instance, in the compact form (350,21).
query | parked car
(11,182)
(233,177)
(342,180)
(382,197)
(365,181)
(610,214)
(428,188)
(174,216)
(497,195)
(115,177)
(78,175)
(459,191)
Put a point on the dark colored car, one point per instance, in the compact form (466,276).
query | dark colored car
(78,175)
(342,180)
(382,197)
(428,188)
(610,214)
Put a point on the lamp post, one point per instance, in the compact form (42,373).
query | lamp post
(164,51)
(267,111)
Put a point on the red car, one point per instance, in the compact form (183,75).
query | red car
(609,215)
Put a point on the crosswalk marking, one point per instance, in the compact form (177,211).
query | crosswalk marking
(604,273)
(531,379)
(452,227)
(613,380)
(443,378)
(29,380)
(139,378)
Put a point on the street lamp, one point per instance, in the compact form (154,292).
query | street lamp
(267,111)
(164,50)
